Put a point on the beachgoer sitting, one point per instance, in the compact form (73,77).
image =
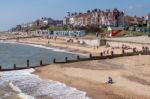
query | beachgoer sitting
(110,81)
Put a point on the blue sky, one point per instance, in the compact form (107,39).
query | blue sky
(13,12)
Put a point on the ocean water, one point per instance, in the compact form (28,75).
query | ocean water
(14,53)
(24,85)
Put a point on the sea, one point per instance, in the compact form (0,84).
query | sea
(18,53)
(22,84)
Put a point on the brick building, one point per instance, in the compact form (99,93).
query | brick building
(130,20)
(95,17)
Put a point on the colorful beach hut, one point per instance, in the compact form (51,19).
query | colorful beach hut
(113,31)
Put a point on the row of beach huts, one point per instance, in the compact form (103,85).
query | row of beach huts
(79,33)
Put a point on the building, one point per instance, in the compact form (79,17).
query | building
(81,19)
(38,24)
(46,22)
(148,24)
(95,17)
(66,21)
(58,33)
(130,20)
(147,17)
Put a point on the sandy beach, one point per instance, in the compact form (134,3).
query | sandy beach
(75,49)
(130,74)
(61,43)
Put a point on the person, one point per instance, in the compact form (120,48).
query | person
(107,52)
(107,45)
(96,34)
(110,81)
(48,42)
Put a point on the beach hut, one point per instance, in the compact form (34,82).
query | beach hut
(67,33)
(113,31)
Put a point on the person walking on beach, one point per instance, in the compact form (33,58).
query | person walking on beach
(48,42)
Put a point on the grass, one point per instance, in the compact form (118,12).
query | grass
(54,28)
(131,33)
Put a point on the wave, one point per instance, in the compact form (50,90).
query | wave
(44,47)
(20,95)
(30,86)
(7,41)
(54,49)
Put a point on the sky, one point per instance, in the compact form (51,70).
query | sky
(14,12)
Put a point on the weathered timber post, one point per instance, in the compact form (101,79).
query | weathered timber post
(28,63)
(143,50)
(14,66)
(54,60)
(90,56)
(66,59)
(0,68)
(123,52)
(101,54)
(78,58)
(134,51)
(146,50)
(41,62)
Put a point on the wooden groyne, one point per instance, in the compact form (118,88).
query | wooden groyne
(18,38)
(14,67)
(101,56)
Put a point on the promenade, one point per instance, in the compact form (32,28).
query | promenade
(137,39)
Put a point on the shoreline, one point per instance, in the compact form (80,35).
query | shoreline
(44,46)
(90,76)
(62,44)
(50,88)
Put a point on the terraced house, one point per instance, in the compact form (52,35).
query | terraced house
(95,17)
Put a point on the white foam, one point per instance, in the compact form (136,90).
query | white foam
(7,41)
(14,87)
(28,85)
(54,49)
(21,95)
(44,47)
(24,96)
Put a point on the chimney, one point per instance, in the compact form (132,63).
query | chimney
(99,10)
(95,10)
(80,13)
(88,11)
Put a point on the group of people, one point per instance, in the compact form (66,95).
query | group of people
(52,37)
(145,48)
(124,46)
(70,41)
